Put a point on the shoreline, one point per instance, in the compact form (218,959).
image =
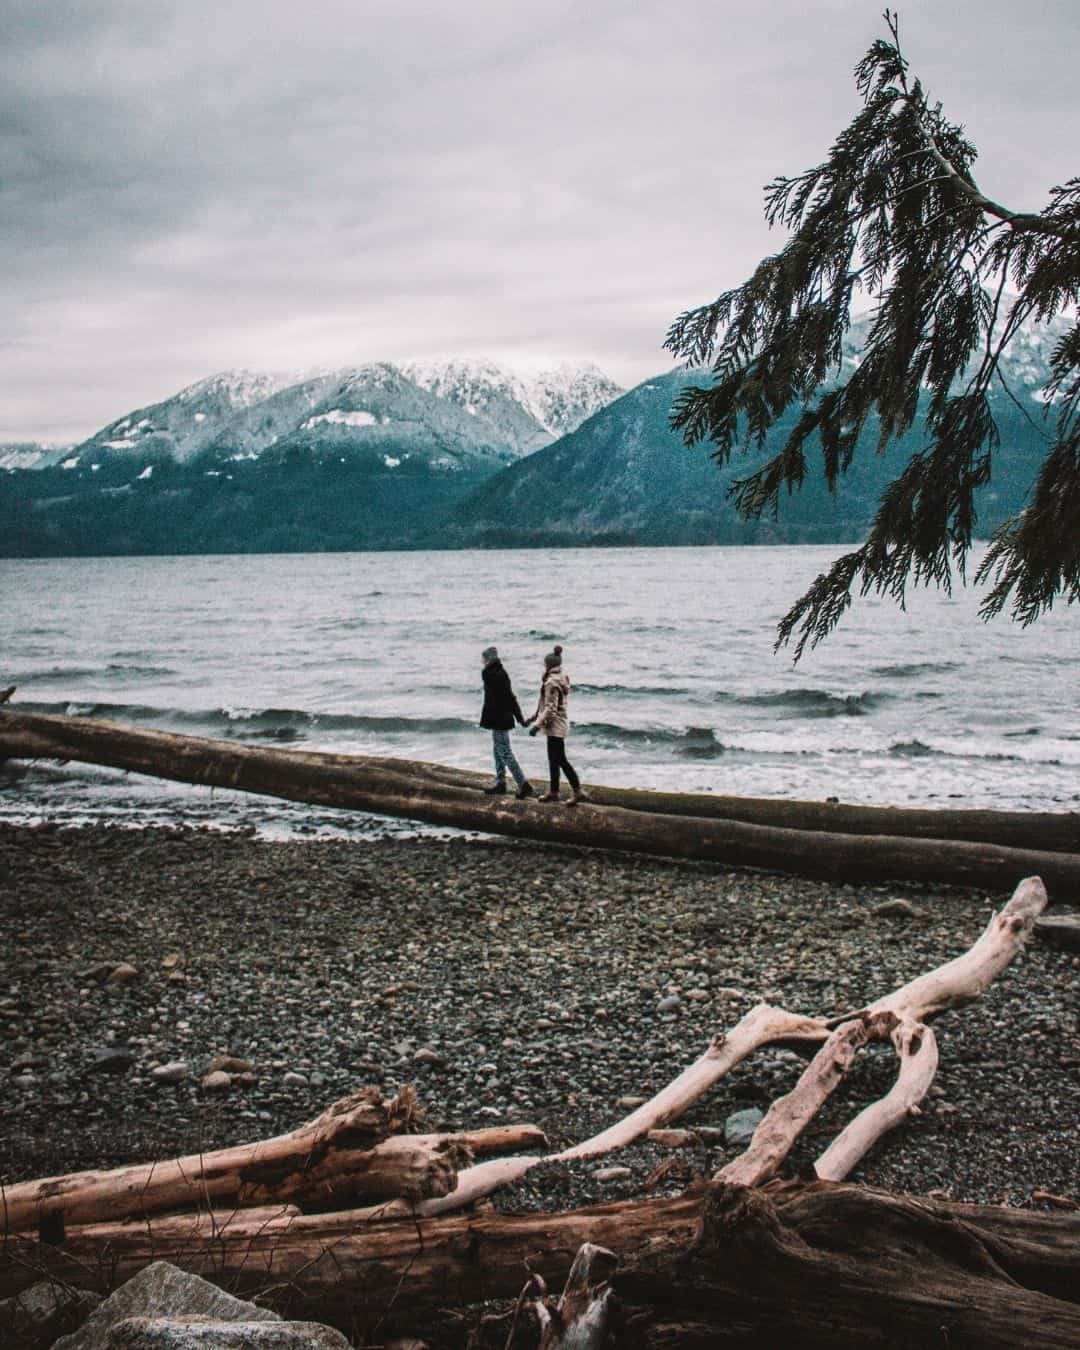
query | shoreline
(539,979)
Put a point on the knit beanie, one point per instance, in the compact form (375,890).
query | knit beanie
(489,654)
(553,658)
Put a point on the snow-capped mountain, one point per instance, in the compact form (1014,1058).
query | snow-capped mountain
(29,454)
(562,398)
(488,393)
(533,411)
(478,405)
(183,425)
(1025,363)
(378,411)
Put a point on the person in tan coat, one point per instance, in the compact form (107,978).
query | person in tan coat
(551,717)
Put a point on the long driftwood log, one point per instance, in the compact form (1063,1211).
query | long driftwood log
(355,1151)
(808,1264)
(1040,831)
(367,784)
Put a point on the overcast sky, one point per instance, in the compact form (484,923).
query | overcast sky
(202,184)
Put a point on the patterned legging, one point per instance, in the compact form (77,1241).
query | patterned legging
(557,760)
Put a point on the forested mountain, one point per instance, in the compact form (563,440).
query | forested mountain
(386,457)
(625,477)
(240,462)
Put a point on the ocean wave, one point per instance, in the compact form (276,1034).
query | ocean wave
(59,673)
(239,723)
(113,671)
(293,723)
(909,670)
(809,702)
(916,749)
(634,690)
(691,742)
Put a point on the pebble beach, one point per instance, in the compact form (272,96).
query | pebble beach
(507,982)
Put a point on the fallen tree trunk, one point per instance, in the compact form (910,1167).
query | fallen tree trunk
(1041,831)
(1049,831)
(811,1264)
(344,781)
(354,1151)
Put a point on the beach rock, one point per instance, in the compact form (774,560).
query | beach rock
(111,1059)
(1063,930)
(669,1004)
(123,974)
(294,1079)
(740,1126)
(99,972)
(425,1055)
(229,1064)
(197,1333)
(217,1081)
(172,961)
(612,1173)
(37,1316)
(896,909)
(161,1290)
(672,1138)
(174,1072)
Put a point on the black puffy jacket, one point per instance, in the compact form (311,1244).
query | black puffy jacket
(501,708)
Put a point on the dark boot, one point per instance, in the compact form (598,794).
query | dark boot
(525,790)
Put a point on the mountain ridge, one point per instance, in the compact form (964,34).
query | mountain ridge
(384,457)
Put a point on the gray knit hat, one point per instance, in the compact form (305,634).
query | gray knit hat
(553,658)
(489,654)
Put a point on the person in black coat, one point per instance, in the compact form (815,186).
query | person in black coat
(500,712)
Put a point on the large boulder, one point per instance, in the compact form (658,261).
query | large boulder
(195,1333)
(164,1308)
(39,1314)
(162,1291)
(1063,930)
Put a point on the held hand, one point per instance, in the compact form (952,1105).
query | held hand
(533,731)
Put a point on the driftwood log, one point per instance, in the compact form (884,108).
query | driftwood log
(899,1017)
(810,1264)
(422,792)
(354,1151)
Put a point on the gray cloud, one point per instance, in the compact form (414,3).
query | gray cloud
(190,186)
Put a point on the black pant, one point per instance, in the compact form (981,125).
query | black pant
(557,760)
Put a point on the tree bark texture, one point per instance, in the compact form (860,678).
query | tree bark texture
(810,1264)
(419,792)
(352,1152)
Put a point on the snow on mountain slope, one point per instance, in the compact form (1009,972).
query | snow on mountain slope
(1025,363)
(187,422)
(29,455)
(240,414)
(533,411)
(562,398)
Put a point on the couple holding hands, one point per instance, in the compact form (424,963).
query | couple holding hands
(501,710)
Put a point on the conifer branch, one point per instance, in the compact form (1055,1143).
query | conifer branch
(894,212)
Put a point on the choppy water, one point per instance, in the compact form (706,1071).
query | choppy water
(669,651)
